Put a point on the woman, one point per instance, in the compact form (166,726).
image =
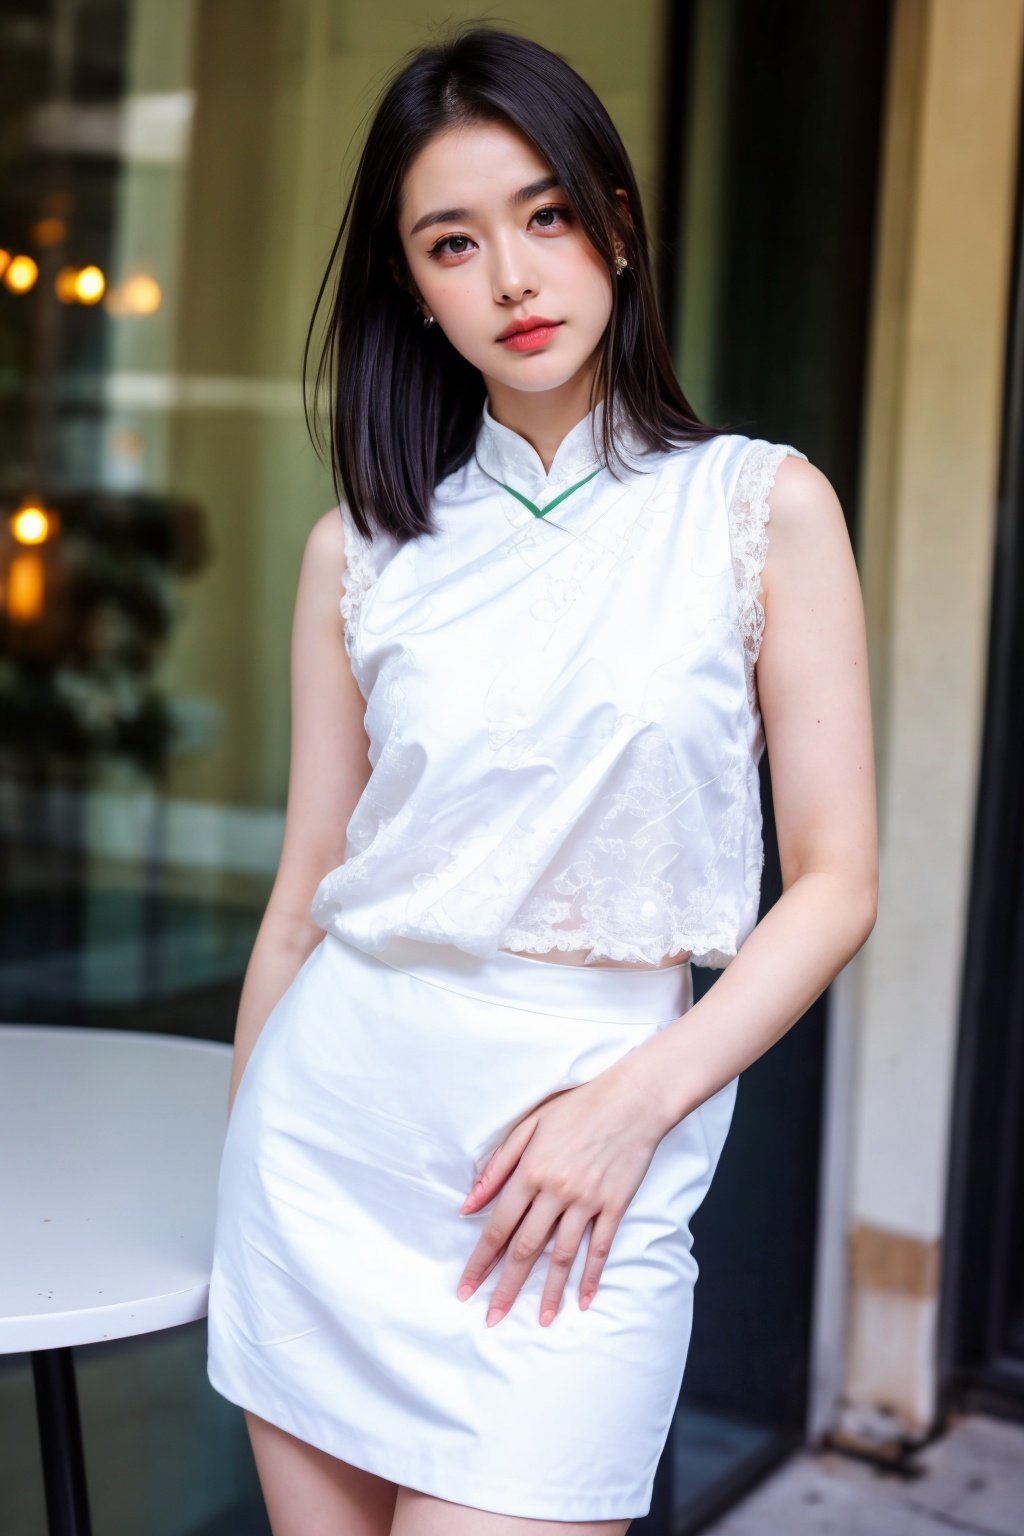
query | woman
(523,799)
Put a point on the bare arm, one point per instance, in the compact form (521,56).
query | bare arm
(812,678)
(327,773)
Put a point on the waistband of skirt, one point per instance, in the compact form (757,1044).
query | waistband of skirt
(618,994)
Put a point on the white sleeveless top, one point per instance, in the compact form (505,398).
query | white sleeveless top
(562,708)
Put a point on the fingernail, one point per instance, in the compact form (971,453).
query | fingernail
(464,1290)
(546,1316)
(585,1300)
(493,1316)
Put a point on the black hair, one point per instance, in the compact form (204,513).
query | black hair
(404,406)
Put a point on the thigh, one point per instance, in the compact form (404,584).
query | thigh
(419,1514)
(309,1493)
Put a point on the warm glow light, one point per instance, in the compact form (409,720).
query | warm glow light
(48,230)
(139,295)
(64,284)
(21,274)
(31,525)
(80,285)
(143,295)
(5,259)
(26,588)
(90,285)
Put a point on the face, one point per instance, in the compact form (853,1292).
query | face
(490,239)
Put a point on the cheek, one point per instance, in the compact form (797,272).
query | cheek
(592,292)
(585,270)
(462,306)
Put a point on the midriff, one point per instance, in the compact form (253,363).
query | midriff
(578,957)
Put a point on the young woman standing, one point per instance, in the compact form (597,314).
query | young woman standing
(474,1106)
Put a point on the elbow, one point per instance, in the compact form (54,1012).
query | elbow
(852,900)
(865,909)
(871,915)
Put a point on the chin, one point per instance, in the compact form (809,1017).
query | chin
(543,376)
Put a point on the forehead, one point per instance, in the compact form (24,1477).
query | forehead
(474,165)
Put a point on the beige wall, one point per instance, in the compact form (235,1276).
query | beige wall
(931,455)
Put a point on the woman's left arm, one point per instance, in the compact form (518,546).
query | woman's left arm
(812,682)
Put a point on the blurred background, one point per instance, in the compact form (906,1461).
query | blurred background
(834,193)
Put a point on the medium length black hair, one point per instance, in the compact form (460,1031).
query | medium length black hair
(404,406)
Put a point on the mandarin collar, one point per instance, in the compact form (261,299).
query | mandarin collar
(510,459)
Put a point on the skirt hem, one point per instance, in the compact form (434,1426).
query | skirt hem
(425,1475)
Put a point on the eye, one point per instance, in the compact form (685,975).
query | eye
(443,247)
(561,213)
(461,243)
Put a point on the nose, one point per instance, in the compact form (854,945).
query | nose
(513,278)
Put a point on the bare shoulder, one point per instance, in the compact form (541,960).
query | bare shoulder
(803,500)
(324,560)
(326,538)
(807,527)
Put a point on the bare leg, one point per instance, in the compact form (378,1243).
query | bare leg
(308,1493)
(419,1514)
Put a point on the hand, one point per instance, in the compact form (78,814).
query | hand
(580,1154)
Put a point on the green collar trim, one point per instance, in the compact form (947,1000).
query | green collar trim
(542,511)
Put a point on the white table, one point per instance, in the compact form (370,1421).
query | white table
(110,1144)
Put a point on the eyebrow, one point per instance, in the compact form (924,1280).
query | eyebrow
(453,215)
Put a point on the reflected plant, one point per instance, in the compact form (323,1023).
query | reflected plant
(78,679)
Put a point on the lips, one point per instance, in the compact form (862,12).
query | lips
(532,323)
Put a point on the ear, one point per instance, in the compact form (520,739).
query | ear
(627,217)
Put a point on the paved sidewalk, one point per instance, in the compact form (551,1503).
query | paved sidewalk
(969,1481)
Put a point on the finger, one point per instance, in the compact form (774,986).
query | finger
(499,1166)
(568,1236)
(492,1266)
(527,1244)
(605,1226)
(466,1290)
(501,1224)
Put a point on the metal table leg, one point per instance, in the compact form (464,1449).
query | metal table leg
(60,1440)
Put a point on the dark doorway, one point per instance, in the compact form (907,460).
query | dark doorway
(771,172)
(982,1324)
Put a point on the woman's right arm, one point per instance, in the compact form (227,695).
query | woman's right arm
(328,770)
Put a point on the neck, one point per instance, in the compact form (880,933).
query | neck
(545,417)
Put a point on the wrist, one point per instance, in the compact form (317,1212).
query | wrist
(646,1070)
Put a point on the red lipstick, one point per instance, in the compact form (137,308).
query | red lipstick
(526,335)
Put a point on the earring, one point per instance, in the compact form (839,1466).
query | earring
(428,321)
(620,265)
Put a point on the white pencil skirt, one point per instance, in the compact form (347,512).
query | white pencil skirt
(379,1087)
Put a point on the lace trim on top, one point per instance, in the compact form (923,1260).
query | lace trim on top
(748,532)
(357,579)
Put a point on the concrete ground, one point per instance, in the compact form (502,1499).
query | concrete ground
(970,1480)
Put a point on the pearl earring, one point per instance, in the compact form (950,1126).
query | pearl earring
(428,320)
(620,265)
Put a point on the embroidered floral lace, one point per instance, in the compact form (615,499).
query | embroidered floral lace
(562,713)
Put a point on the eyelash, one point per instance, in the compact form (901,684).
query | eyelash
(438,249)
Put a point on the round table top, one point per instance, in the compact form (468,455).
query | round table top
(110,1145)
